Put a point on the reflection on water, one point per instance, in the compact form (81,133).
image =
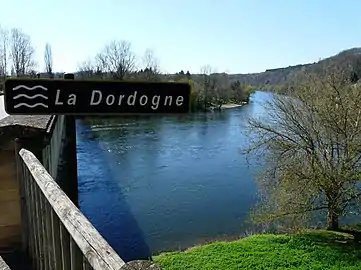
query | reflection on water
(162,183)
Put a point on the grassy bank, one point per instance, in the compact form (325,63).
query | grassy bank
(308,250)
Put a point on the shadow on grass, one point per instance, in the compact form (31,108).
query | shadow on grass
(337,242)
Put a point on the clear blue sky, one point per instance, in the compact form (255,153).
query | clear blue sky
(236,36)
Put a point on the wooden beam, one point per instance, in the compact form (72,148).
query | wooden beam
(92,245)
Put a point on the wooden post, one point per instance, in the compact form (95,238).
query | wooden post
(71,167)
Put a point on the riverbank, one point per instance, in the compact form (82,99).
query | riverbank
(227,106)
(232,105)
(318,249)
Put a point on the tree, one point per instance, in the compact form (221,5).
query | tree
(240,93)
(86,69)
(91,69)
(4,43)
(22,52)
(354,77)
(48,59)
(311,139)
(117,59)
(195,87)
(206,72)
(180,75)
(151,66)
(220,89)
(33,74)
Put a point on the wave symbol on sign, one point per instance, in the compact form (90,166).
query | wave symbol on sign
(30,97)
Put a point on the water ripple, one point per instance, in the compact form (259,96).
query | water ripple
(167,181)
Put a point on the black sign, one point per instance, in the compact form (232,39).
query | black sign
(82,97)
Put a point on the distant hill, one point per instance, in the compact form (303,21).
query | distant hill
(348,60)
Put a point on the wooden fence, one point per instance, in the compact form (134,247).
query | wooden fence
(56,235)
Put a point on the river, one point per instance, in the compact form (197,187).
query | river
(152,184)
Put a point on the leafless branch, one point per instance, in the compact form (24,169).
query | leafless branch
(22,52)
(4,52)
(151,71)
(48,59)
(117,59)
(312,141)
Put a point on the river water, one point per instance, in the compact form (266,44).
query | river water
(152,184)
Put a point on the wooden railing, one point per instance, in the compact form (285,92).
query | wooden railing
(56,235)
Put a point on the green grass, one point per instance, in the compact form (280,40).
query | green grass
(308,250)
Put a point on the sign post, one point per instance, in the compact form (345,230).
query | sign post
(70,156)
(86,97)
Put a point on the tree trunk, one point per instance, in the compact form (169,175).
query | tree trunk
(332,220)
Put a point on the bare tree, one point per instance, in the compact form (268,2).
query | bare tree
(150,61)
(117,59)
(48,59)
(4,43)
(98,67)
(151,66)
(22,52)
(86,69)
(91,68)
(220,89)
(206,72)
(311,139)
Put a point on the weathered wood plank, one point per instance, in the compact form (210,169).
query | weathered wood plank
(97,251)
(33,218)
(43,229)
(76,257)
(22,193)
(86,265)
(65,246)
(48,234)
(39,225)
(58,262)
(28,212)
